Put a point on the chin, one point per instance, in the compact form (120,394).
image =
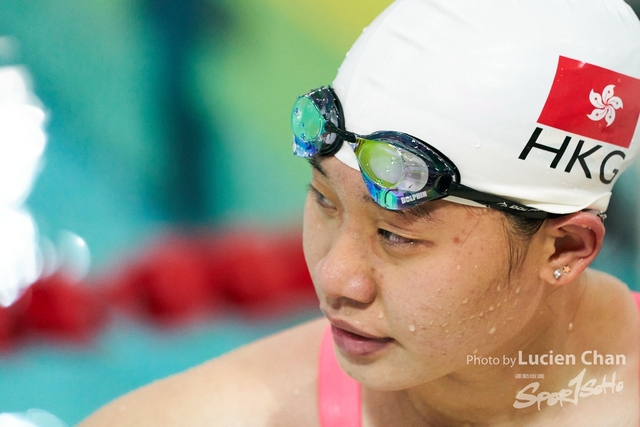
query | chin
(390,375)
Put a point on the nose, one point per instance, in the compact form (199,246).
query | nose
(345,275)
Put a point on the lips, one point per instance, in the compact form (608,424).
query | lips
(357,343)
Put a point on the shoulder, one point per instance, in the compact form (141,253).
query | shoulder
(605,340)
(611,297)
(270,382)
(609,304)
(613,327)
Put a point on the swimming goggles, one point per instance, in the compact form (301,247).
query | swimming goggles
(399,170)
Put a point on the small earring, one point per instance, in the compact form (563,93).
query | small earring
(558,272)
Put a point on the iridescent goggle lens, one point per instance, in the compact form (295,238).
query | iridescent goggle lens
(399,171)
(316,121)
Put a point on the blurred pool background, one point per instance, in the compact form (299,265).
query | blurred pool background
(163,115)
(173,115)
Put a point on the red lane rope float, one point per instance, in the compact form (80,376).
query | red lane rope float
(175,280)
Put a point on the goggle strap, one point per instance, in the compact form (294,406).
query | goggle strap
(497,203)
(344,134)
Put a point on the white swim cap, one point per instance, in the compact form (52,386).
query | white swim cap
(534,100)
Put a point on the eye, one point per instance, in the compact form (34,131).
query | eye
(393,238)
(320,199)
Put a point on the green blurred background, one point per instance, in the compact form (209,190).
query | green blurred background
(163,115)
(173,114)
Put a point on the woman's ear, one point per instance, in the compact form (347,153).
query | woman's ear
(575,240)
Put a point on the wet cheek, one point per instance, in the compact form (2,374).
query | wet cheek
(493,315)
(481,307)
(424,311)
(461,308)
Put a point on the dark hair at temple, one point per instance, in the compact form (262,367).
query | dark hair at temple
(521,231)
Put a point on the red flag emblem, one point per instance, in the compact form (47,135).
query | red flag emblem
(593,102)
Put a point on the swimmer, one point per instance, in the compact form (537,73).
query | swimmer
(462,162)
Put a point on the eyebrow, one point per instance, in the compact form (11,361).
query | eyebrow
(313,161)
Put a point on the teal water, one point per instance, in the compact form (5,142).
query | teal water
(70,382)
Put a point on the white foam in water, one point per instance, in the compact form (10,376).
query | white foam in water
(22,142)
(31,418)
(19,265)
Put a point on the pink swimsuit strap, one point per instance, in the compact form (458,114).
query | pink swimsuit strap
(338,393)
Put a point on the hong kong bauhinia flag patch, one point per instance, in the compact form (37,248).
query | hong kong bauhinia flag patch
(593,102)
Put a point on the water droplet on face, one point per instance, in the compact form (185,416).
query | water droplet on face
(499,304)
(491,308)
(444,324)
(466,300)
(412,328)
(499,288)
(475,351)
(380,315)
(481,314)
(570,328)
(477,144)
(458,268)
(431,323)
(518,290)
(492,331)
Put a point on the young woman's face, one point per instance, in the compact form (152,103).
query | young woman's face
(410,297)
